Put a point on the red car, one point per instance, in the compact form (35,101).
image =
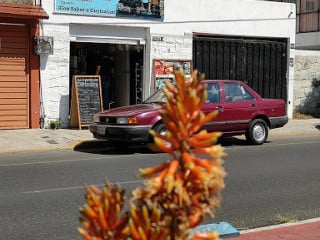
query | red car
(241,111)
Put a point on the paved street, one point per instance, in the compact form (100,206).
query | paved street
(41,192)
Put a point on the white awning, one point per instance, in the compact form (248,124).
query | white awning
(112,40)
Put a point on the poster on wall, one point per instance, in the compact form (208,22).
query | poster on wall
(149,9)
(164,70)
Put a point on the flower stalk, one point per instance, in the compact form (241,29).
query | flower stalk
(178,193)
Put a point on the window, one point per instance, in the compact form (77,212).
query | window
(236,93)
(213,91)
(308,16)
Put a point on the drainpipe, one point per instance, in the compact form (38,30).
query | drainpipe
(42,112)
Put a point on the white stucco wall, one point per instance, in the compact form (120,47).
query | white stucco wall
(307,70)
(181,20)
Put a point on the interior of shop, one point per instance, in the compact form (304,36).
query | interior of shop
(120,70)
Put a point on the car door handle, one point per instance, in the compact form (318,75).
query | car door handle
(252,105)
(219,107)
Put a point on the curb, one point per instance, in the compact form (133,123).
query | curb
(291,224)
(293,133)
(94,144)
(53,148)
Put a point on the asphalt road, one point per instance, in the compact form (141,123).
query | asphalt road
(41,192)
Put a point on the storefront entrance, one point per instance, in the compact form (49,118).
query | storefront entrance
(121,70)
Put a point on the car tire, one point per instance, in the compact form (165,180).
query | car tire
(257,133)
(161,128)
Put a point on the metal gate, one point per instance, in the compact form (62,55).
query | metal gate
(261,63)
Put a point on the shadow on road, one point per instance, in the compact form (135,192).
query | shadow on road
(104,147)
(233,141)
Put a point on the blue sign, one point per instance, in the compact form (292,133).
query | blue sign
(111,8)
(224,229)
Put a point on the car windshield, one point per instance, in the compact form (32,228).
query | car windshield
(156,97)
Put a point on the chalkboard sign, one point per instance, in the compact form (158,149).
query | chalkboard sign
(86,99)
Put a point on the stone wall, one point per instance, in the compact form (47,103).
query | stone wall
(306,92)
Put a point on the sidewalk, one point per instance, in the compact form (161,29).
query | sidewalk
(41,139)
(49,139)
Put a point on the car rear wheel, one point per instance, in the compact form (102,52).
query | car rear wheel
(257,133)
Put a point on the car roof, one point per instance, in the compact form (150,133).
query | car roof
(221,80)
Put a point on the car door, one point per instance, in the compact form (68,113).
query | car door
(214,103)
(239,107)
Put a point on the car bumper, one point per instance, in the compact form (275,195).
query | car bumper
(120,133)
(276,122)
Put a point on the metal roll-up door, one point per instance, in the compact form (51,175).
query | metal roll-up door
(14,81)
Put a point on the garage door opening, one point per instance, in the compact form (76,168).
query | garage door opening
(123,64)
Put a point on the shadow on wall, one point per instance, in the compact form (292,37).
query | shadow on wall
(64,111)
(311,105)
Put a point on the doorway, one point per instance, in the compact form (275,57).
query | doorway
(124,64)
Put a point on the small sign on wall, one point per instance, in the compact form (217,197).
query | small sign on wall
(43,45)
(163,70)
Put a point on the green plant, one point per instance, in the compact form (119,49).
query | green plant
(176,194)
(55,124)
(285,219)
(300,116)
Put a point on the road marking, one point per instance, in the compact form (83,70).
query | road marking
(64,161)
(269,145)
(77,187)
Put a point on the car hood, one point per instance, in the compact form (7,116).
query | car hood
(128,111)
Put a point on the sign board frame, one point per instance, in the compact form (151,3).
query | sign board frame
(81,109)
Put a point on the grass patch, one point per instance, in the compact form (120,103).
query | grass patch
(285,219)
(301,116)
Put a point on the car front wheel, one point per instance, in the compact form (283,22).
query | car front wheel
(257,133)
(161,129)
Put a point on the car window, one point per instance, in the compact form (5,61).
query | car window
(246,94)
(236,92)
(213,91)
(156,97)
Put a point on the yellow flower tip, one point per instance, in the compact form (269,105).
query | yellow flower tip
(215,150)
(169,182)
(152,132)
(189,165)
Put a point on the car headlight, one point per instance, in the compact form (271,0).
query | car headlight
(96,118)
(124,120)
